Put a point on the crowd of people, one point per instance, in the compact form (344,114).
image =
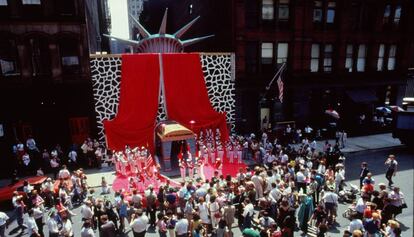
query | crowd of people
(289,189)
(32,160)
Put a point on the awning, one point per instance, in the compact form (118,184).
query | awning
(173,131)
(362,96)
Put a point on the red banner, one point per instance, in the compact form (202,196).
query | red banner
(138,103)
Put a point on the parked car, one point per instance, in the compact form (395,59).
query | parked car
(6,192)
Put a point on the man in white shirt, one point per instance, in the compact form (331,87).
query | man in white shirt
(181,227)
(32,229)
(139,224)
(258,184)
(248,213)
(73,157)
(52,225)
(136,199)
(3,223)
(275,194)
(355,224)
(339,178)
(38,217)
(331,203)
(64,173)
(301,180)
(86,211)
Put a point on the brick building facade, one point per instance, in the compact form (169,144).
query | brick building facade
(45,86)
(347,55)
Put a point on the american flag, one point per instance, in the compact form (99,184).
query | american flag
(149,161)
(280,86)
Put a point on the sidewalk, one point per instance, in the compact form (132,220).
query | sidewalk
(371,142)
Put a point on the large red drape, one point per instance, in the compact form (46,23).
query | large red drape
(186,94)
(135,121)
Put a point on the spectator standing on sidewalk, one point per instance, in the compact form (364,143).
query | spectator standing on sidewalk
(363,173)
(391,170)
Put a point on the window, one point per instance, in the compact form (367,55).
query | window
(327,58)
(69,52)
(391,57)
(397,15)
(330,13)
(31,2)
(314,67)
(381,53)
(3,2)
(362,53)
(355,14)
(283,10)
(349,60)
(7,67)
(70,60)
(317,12)
(387,14)
(39,55)
(267,53)
(282,52)
(251,57)
(8,58)
(267,10)
(252,11)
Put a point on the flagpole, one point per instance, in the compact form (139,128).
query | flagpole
(273,79)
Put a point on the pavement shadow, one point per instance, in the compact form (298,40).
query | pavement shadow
(15,231)
(403,227)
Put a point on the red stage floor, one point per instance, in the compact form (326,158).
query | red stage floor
(121,182)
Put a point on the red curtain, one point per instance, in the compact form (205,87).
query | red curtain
(186,94)
(135,121)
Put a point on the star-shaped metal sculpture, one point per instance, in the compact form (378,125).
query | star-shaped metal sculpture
(161,42)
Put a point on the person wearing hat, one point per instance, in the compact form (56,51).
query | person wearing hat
(391,164)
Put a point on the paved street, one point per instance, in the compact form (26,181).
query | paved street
(375,159)
(404,179)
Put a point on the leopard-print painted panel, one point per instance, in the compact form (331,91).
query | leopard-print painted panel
(218,72)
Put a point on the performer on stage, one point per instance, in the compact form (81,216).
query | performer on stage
(209,150)
(190,166)
(131,162)
(230,152)
(213,155)
(183,168)
(220,152)
(115,161)
(218,166)
(200,168)
(205,155)
(239,152)
(123,163)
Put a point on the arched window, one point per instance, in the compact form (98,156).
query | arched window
(40,56)
(8,58)
(69,53)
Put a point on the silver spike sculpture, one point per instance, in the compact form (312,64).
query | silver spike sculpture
(161,42)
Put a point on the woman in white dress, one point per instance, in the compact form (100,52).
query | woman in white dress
(203,212)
